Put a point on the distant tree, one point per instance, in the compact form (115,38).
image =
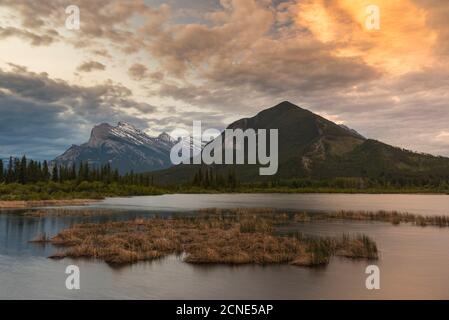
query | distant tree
(33,172)
(232,179)
(206,179)
(10,172)
(195,179)
(22,170)
(62,174)
(80,172)
(2,175)
(16,170)
(116,176)
(73,172)
(54,175)
(45,171)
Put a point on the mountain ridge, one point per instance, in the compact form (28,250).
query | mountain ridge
(311,146)
(125,147)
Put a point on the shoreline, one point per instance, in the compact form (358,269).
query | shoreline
(235,237)
(25,204)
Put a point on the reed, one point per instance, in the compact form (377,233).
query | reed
(279,216)
(41,238)
(224,237)
(392,217)
(64,212)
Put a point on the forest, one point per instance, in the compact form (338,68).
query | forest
(24,179)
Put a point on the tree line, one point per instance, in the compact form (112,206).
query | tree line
(26,171)
(208,177)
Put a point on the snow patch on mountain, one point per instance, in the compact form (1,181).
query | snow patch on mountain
(124,147)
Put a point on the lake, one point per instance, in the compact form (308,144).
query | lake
(414,261)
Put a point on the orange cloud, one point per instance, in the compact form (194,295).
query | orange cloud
(403,44)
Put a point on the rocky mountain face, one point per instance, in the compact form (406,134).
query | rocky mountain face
(311,146)
(124,147)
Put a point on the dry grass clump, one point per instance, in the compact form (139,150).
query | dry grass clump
(277,216)
(41,238)
(211,237)
(63,212)
(20,204)
(392,217)
(321,249)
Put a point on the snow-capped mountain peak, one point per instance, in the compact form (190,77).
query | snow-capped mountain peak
(124,147)
(164,136)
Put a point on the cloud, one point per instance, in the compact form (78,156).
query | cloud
(101,19)
(35,39)
(43,116)
(90,66)
(138,71)
(231,58)
(392,48)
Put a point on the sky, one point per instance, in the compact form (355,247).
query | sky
(159,65)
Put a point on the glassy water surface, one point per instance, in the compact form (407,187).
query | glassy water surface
(414,261)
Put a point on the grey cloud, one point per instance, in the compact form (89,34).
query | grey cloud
(241,57)
(138,71)
(42,116)
(34,38)
(90,66)
(103,19)
(33,128)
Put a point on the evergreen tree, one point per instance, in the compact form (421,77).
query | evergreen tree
(32,172)
(54,175)
(16,170)
(116,176)
(45,172)
(206,179)
(195,179)
(80,172)
(62,174)
(22,170)
(2,175)
(73,172)
(10,173)
(86,172)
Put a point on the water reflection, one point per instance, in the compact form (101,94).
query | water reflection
(414,261)
(419,204)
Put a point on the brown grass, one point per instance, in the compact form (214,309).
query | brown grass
(392,217)
(217,236)
(62,212)
(43,203)
(41,238)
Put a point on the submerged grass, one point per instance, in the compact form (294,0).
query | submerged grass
(41,238)
(223,236)
(392,217)
(64,212)
(320,249)
(212,237)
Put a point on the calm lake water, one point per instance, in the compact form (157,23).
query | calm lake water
(414,261)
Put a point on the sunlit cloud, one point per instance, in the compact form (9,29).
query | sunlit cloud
(224,60)
(403,43)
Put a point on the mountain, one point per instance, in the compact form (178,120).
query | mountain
(124,147)
(311,146)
